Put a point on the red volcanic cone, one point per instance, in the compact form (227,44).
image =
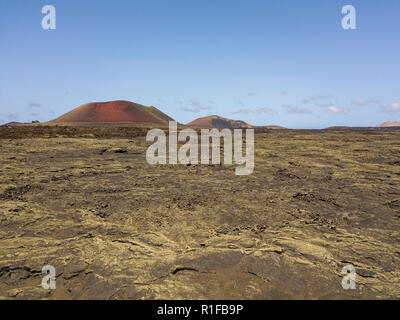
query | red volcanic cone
(114,111)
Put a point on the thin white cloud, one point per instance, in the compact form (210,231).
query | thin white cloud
(258,110)
(196,110)
(395,106)
(243,111)
(316,98)
(323,105)
(361,103)
(194,101)
(34,104)
(336,109)
(296,109)
(196,106)
(264,110)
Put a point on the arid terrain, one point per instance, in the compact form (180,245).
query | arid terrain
(86,201)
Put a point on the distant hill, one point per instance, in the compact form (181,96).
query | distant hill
(218,122)
(113,111)
(351,128)
(15,123)
(389,124)
(270,127)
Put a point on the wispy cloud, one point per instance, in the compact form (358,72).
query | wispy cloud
(264,110)
(317,98)
(361,103)
(196,110)
(34,104)
(336,109)
(323,105)
(394,107)
(196,106)
(250,111)
(296,109)
(243,111)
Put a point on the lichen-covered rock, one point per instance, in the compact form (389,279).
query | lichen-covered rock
(115,227)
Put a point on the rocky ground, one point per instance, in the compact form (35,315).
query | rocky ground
(115,227)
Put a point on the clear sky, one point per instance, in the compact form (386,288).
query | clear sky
(283,62)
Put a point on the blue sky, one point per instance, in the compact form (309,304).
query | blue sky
(283,62)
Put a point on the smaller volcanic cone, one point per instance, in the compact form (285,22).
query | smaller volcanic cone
(389,124)
(219,123)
